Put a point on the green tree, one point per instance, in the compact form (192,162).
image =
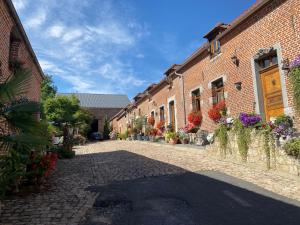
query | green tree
(62,110)
(83,120)
(20,130)
(106,129)
(48,90)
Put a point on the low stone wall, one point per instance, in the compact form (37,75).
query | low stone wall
(257,157)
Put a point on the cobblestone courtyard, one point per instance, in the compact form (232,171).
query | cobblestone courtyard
(67,198)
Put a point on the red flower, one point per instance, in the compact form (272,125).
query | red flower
(195,118)
(160,125)
(151,120)
(214,114)
(220,106)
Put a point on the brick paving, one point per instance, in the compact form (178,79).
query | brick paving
(67,198)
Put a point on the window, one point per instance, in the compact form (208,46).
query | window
(217,90)
(140,112)
(152,114)
(196,100)
(215,48)
(162,113)
(14,44)
(268,61)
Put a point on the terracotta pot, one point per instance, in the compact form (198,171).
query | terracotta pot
(173,141)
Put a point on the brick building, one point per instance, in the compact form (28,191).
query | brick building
(101,106)
(241,63)
(15,47)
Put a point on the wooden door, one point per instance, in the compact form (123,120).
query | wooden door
(172,114)
(272,92)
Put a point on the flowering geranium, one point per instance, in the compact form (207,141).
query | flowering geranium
(190,128)
(221,106)
(296,62)
(249,120)
(195,118)
(151,120)
(216,112)
(153,132)
(160,125)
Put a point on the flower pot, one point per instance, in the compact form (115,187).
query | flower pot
(146,138)
(185,141)
(152,138)
(133,137)
(139,137)
(173,141)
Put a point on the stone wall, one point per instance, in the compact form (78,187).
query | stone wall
(257,157)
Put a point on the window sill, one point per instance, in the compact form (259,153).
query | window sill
(215,57)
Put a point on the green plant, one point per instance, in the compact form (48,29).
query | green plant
(170,135)
(295,83)
(243,138)
(222,134)
(292,147)
(20,131)
(138,124)
(106,129)
(66,154)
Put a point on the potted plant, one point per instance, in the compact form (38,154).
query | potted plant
(153,133)
(134,134)
(183,136)
(195,118)
(171,137)
(217,111)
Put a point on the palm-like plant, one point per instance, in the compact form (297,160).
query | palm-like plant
(20,130)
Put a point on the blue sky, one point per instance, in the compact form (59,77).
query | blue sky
(118,46)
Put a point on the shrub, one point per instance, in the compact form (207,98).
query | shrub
(292,148)
(65,154)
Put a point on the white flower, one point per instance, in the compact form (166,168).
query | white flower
(229,120)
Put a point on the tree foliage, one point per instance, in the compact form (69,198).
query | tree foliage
(20,130)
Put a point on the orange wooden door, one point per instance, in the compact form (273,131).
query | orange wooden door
(172,115)
(272,93)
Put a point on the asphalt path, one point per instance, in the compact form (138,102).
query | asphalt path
(206,198)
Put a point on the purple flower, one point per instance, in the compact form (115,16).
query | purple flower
(296,62)
(249,119)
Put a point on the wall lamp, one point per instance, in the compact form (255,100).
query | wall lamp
(234,59)
(238,85)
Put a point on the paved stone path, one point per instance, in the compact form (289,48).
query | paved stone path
(67,199)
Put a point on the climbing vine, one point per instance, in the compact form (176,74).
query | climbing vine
(222,134)
(243,138)
(295,81)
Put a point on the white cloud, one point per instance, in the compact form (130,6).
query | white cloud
(72,35)
(20,4)
(84,45)
(37,20)
(56,31)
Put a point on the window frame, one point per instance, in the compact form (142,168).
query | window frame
(196,100)
(218,93)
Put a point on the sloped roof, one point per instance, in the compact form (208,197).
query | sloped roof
(100,100)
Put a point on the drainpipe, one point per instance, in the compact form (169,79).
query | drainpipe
(183,96)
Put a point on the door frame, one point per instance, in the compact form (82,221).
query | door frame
(257,86)
(175,111)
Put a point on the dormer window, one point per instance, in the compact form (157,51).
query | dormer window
(212,37)
(215,48)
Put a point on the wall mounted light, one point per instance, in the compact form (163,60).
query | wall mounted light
(238,85)
(235,60)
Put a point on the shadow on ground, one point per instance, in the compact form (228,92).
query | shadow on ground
(149,197)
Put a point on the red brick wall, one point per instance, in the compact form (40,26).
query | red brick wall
(101,113)
(6,24)
(277,23)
